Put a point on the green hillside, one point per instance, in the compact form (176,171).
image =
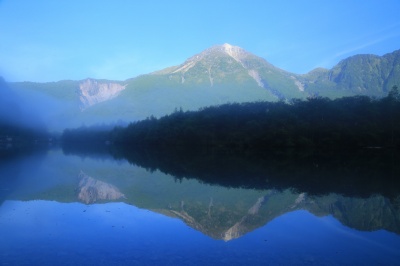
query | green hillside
(369,75)
(218,75)
(217,211)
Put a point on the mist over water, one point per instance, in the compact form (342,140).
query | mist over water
(199,133)
(17,115)
(32,110)
(238,179)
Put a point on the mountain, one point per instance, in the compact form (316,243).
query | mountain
(216,211)
(232,66)
(370,75)
(220,74)
(224,196)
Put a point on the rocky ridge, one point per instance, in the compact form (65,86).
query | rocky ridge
(218,75)
(208,56)
(93,91)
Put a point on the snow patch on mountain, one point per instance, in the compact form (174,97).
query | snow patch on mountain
(235,52)
(209,57)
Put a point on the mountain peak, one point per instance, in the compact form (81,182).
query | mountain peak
(235,52)
(220,61)
(227,45)
(227,48)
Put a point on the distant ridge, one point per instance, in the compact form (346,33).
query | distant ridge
(220,74)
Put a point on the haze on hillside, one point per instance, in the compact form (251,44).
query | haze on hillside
(199,132)
(218,75)
(70,67)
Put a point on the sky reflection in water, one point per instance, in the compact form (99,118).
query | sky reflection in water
(65,232)
(69,233)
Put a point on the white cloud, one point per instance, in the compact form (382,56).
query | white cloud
(359,43)
(367,44)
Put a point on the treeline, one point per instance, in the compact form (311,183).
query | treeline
(355,173)
(318,122)
(87,136)
(348,122)
(21,135)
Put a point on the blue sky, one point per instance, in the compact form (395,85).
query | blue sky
(47,40)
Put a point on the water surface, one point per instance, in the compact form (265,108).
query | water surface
(71,209)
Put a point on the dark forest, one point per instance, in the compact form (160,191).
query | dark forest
(349,122)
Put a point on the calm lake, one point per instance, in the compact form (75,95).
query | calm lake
(71,207)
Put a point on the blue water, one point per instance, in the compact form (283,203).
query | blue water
(51,233)
(161,221)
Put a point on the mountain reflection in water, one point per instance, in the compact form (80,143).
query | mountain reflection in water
(175,185)
(92,190)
